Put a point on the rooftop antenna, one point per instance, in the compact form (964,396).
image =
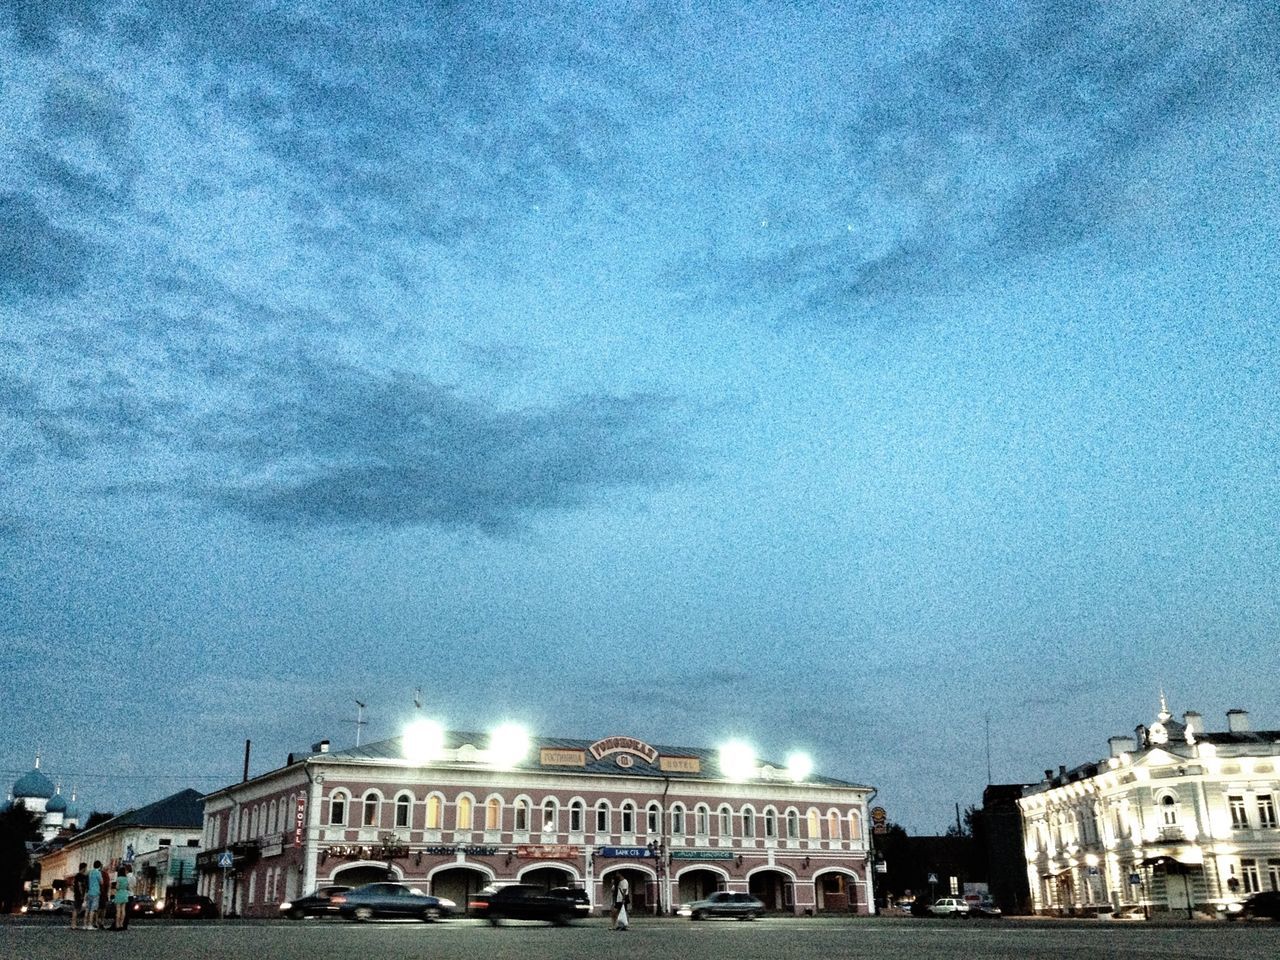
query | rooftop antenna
(987,717)
(359,721)
(417,698)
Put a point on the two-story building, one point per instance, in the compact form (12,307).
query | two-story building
(454,812)
(1175,818)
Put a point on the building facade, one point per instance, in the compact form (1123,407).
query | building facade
(552,812)
(1175,819)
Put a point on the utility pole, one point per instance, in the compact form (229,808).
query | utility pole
(987,718)
(359,720)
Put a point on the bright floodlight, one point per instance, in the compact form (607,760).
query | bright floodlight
(737,761)
(422,741)
(508,745)
(799,766)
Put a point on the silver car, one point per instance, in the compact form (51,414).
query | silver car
(722,903)
(949,907)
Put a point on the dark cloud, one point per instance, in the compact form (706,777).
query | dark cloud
(1019,133)
(38,257)
(37,25)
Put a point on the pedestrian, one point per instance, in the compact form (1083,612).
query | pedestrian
(621,897)
(104,882)
(122,896)
(93,895)
(79,890)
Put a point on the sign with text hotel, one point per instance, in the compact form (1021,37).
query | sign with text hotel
(625,752)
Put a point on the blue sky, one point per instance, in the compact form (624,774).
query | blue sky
(830,377)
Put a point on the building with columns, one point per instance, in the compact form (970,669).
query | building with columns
(452,812)
(1174,819)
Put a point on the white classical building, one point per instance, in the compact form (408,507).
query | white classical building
(452,812)
(1175,818)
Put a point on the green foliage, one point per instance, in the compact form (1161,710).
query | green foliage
(18,827)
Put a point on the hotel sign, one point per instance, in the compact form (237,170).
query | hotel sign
(627,746)
(299,820)
(547,851)
(550,757)
(680,765)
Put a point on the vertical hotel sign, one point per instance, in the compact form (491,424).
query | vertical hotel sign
(299,820)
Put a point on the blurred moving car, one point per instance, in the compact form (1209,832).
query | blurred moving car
(318,903)
(1263,905)
(985,909)
(949,907)
(722,903)
(201,908)
(387,899)
(521,901)
(142,905)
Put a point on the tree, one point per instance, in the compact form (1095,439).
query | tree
(96,818)
(18,827)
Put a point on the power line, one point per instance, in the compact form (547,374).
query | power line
(73,775)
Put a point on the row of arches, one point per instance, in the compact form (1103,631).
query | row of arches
(494,814)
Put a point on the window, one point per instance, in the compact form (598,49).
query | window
(628,817)
(1273,874)
(522,816)
(653,818)
(493,814)
(855,826)
(338,809)
(1239,815)
(551,817)
(271,818)
(433,812)
(1249,871)
(1266,811)
(602,817)
(577,816)
(193,842)
(726,822)
(166,842)
(462,816)
(770,823)
(677,820)
(1169,809)
(793,825)
(702,820)
(370,810)
(402,810)
(813,825)
(748,823)
(833,825)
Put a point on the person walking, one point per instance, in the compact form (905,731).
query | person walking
(79,890)
(93,895)
(122,896)
(621,897)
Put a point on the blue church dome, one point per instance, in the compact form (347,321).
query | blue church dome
(57,805)
(33,784)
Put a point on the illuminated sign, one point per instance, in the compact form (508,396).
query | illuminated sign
(550,757)
(547,851)
(299,820)
(626,745)
(624,853)
(680,764)
(702,855)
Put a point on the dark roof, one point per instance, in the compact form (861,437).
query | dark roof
(183,809)
(1258,737)
(391,749)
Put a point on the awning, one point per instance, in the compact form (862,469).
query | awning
(1180,859)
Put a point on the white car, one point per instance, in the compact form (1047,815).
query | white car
(949,907)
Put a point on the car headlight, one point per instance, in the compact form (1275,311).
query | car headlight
(444,902)
(287,905)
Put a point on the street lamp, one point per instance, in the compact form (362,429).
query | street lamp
(422,741)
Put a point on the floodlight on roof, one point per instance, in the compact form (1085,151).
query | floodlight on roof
(799,766)
(508,745)
(738,761)
(422,741)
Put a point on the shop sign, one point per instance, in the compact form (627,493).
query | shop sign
(274,848)
(449,851)
(550,757)
(624,853)
(702,854)
(624,745)
(299,820)
(680,765)
(368,851)
(547,851)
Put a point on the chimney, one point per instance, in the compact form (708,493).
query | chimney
(1048,775)
(1238,721)
(321,747)
(1121,745)
(1062,769)
(1193,721)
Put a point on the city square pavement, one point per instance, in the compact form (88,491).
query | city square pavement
(766,939)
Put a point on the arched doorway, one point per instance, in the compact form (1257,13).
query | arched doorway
(548,877)
(697,883)
(835,891)
(361,873)
(775,888)
(642,882)
(458,884)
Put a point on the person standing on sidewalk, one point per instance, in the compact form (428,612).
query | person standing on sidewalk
(79,890)
(93,895)
(122,896)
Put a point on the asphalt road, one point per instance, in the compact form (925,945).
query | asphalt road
(766,939)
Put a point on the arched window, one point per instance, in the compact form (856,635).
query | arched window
(813,824)
(628,817)
(404,803)
(770,823)
(677,820)
(602,816)
(338,808)
(653,818)
(577,816)
(702,820)
(748,823)
(833,825)
(1169,809)
(493,814)
(433,812)
(462,817)
(855,826)
(253,822)
(370,818)
(726,821)
(521,809)
(272,826)
(793,825)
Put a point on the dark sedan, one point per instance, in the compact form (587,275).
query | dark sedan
(319,903)
(199,907)
(521,901)
(1266,904)
(722,903)
(390,900)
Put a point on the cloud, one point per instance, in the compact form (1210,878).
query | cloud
(38,258)
(1018,133)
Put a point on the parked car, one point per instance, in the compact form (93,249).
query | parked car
(722,903)
(390,900)
(142,905)
(1265,904)
(949,907)
(985,909)
(522,901)
(201,908)
(318,903)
